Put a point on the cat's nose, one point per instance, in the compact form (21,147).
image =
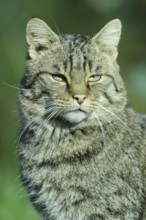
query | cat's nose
(80,98)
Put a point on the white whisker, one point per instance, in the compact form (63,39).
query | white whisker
(101,126)
(11,86)
(50,109)
(23,131)
(52,115)
(53,112)
(113,114)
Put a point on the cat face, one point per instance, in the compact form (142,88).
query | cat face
(71,78)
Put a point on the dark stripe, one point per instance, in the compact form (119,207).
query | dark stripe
(33,97)
(24,81)
(98,216)
(27,85)
(90,65)
(30,98)
(41,48)
(71,62)
(97,69)
(51,137)
(28,56)
(84,63)
(57,69)
(65,65)
(71,47)
(77,203)
(108,97)
(77,158)
(47,163)
(26,136)
(85,193)
(25,180)
(115,85)
(49,217)
(77,38)
(30,184)
(41,207)
(42,93)
(83,44)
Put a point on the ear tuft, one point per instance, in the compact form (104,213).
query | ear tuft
(108,38)
(39,36)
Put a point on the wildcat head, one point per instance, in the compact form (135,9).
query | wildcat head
(71,78)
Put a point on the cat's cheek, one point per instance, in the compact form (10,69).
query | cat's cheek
(31,109)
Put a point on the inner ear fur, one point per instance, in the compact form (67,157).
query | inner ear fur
(39,37)
(108,38)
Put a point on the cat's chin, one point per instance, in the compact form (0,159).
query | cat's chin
(75,116)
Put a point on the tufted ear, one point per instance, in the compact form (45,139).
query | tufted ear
(108,38)
(39,37)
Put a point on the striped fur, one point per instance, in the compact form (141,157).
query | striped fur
(82,149)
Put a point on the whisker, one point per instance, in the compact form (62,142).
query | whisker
(51,103)
(57,28)
(113,114)
(46,120)
(49,110)
(11,86)
(63,105)
(39,132)
(101,127)
(23,131)
(52,115)
(59,111)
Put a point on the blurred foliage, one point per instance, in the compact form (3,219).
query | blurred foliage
(65,16)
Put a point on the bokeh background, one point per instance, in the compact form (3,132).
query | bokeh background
(65,16)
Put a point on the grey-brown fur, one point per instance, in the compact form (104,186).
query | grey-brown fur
(82,149)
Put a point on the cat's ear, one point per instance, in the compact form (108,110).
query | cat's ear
(39,37)
(108,38)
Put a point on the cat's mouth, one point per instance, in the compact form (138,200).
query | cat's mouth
(75,116)
(77,111)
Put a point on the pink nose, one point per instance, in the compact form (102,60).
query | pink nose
(80,98)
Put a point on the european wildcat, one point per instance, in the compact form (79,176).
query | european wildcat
(82,148)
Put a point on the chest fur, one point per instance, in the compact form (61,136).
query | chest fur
(86,172)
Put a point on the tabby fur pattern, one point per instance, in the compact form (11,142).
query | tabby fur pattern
(82,148)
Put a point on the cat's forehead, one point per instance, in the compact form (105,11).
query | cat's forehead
(75,40)
(75,56)
(76,44)
(77,50)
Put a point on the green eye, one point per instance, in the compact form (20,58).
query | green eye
(94,78)
(59,77)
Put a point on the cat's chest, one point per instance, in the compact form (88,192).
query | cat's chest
(85,169)
(96,180)
(87,149)
(102,165)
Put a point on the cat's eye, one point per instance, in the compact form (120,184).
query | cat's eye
(59,77)
(94,78)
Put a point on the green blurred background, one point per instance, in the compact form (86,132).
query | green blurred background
(65,16)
